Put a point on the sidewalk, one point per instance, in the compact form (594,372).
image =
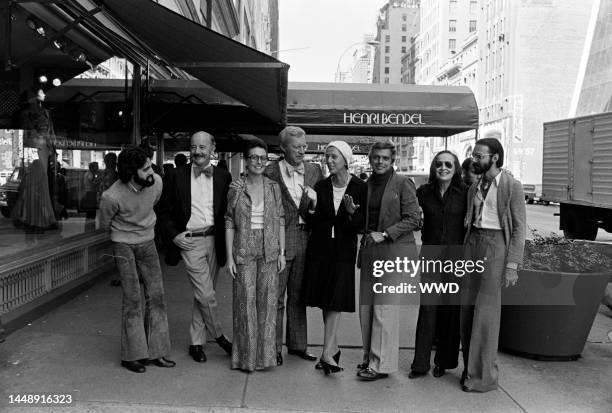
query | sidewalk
(76,349)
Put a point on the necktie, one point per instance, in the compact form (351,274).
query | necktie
(484,186)
(293,169)
(207,171)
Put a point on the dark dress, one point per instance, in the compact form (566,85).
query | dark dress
(439,315)
(329,277)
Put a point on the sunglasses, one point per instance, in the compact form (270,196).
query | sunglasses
(447,164)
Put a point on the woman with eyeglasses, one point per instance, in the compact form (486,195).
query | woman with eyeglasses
(444,202)
(255,243)
(329,277)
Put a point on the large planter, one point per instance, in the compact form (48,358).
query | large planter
(548,315)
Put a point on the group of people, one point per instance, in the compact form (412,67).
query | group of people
(282,230)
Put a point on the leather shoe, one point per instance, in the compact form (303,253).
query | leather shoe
(197,353)
(438,371)
(225,344)
(467,389)
(135,366)
(414,374)
(369,374)
(303,354)
(162,362)
(279,359)
(336,357)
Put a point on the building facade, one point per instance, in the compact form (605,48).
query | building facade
(398,22)
(593,92)
(363,61)
(521,60)
(445,24)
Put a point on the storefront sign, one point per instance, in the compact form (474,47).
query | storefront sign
(382,118)
(357,148)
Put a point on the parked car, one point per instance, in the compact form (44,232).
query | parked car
(9,191)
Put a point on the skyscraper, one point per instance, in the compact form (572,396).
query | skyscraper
(397,23)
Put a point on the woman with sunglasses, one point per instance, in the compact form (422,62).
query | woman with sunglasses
(329,277)
(255,243)
(443,201)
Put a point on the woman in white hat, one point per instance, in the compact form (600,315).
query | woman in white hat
(329,279)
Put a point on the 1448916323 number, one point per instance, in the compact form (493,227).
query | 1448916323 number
(40,399)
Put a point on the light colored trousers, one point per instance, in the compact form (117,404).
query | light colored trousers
(481,310)
(202,268)
(380,334)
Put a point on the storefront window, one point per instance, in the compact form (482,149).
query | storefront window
(53,171)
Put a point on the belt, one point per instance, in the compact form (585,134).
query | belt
(205,233)
(475,228)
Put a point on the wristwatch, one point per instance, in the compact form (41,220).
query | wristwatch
(282,252)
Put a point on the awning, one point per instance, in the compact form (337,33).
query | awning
(171,105)
(148,34)
(245,74)
(381,109)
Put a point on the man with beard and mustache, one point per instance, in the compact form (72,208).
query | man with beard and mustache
(191,216)
(126,209)
(495,222)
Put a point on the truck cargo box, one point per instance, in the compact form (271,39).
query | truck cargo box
(577,160)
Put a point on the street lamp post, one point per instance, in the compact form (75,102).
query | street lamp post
(372,43)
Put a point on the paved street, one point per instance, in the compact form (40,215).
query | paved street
(75,349)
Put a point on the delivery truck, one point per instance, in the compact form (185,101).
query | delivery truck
(577,173)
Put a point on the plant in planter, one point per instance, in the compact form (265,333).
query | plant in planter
(549,313)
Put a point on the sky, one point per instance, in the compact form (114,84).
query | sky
(320,31)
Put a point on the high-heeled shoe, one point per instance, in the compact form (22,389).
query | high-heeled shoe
(330,368)
(336,358)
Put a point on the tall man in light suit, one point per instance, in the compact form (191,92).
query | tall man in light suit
(191,215)
(495,222)
(297,179)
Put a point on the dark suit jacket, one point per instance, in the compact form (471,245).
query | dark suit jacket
(312,174)
(175,209)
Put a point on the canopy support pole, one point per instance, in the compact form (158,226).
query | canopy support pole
(136,76)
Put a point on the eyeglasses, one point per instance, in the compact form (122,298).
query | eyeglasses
(447,164)
(257,158)
(479,156)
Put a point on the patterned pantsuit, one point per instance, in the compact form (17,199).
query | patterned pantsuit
(142,337)
(481,310)
(254,308)
(202,268)
(291,281)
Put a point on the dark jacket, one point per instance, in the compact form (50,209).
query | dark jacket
(443,216)
(346,227)
(175,210)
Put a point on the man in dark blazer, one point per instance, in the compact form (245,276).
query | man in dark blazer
(496,227)
(296,179)
(191,216)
